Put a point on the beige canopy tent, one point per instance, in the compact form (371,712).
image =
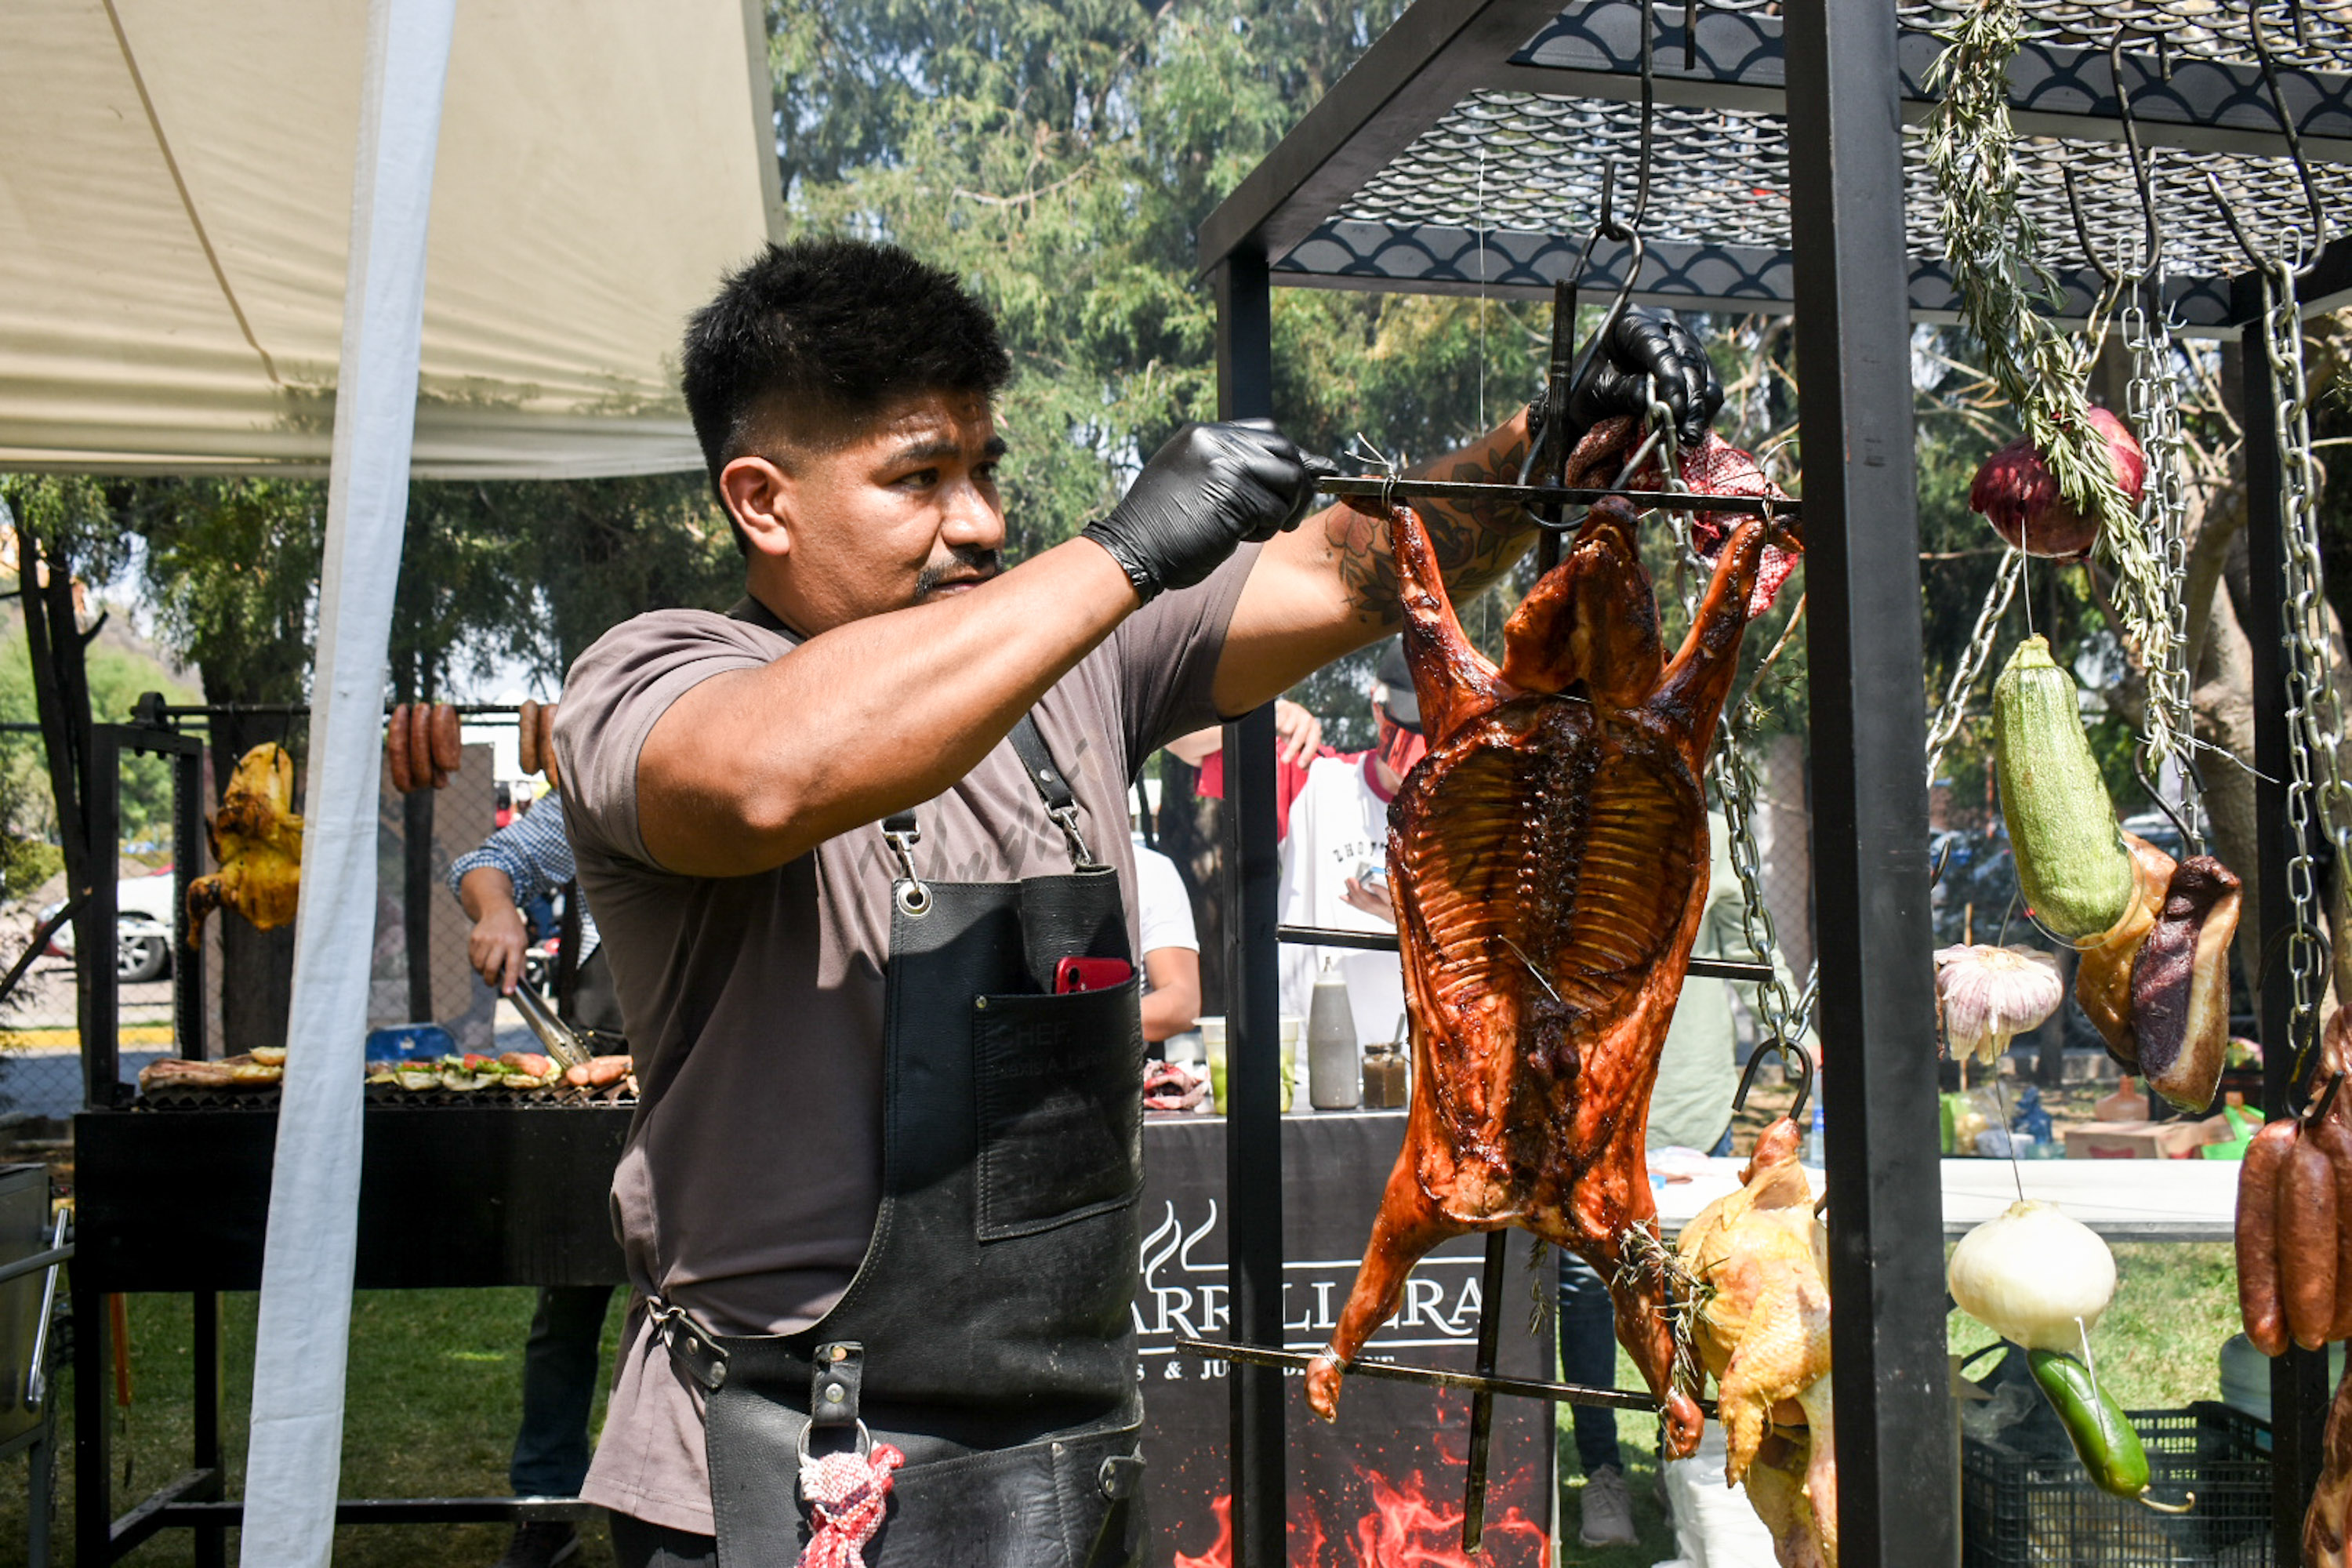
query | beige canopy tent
(359,234)
(175,211)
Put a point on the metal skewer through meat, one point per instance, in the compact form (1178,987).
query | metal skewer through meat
(1549,859)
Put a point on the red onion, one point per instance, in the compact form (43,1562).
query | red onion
(2018,494)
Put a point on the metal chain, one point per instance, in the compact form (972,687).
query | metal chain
(2314,721)
(1783,1018)
(1978,653)
(1993,247)
(2153,402)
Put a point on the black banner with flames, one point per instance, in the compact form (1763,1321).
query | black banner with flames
(1383,1485)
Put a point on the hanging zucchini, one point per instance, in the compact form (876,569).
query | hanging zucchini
(2072,864)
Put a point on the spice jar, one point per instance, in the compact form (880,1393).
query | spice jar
(1388,1078)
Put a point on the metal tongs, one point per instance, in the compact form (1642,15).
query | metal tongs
(562,1042)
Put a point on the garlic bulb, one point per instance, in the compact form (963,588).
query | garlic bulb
(2030,1274)
(1989,993)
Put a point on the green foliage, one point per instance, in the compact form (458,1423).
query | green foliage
(1059,157)
(232,571)
(538,570)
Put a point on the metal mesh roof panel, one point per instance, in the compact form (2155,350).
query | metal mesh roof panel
(2314,35)
(1469,151)
(1534,163)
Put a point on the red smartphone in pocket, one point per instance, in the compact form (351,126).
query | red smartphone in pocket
(1091,974)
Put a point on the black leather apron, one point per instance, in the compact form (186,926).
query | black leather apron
(987,1333)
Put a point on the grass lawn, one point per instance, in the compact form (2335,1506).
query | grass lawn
(435,1386)
(437,1374)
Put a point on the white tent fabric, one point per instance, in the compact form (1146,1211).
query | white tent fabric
(175,200)
(294,1454)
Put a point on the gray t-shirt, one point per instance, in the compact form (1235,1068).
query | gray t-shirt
(753,1172)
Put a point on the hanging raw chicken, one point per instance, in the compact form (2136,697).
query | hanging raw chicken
(257,842)
(1549,862)
(1757,1264)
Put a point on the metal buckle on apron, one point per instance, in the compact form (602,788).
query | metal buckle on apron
(899,832)
(835,1383)
(1066,817)
(704,1360)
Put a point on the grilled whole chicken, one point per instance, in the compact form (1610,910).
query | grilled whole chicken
(257,841)
(1759,1264)
(1548,861)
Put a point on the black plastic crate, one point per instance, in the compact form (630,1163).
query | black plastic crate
(2018,1510)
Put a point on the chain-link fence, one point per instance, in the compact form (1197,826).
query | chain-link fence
(418,966)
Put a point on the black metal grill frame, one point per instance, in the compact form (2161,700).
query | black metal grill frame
(1366,193)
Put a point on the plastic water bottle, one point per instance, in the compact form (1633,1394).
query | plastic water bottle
(1335,1068)
(1813,1155)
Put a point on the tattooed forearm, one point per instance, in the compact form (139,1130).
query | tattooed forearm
(1476,541)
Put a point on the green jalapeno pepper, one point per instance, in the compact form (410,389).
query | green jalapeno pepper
(2102,1439)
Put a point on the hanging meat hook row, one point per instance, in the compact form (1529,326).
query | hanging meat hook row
(1788,1051)
(2315,207)
(2143,167)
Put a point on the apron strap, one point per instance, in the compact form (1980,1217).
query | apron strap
(1061,804)
(1028,744)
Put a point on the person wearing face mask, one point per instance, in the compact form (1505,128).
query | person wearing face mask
(858,850)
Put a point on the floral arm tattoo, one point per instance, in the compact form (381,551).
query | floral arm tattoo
(1475,542)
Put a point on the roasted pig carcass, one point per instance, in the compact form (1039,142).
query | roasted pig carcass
(257,843)
(1548,861)
(1756,1264)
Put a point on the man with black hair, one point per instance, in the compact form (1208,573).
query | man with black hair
(858,848)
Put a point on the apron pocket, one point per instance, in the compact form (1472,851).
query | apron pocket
(1060,1082)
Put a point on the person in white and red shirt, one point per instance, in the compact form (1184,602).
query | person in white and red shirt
(1332,811)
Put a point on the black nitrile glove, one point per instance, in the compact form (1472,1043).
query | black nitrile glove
(1651,346)
(1210,489)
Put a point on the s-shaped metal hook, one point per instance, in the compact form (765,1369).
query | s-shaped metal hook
(1788,1051)
(2317,208)
(2143,167)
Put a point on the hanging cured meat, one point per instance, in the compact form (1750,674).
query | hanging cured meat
(1549,859)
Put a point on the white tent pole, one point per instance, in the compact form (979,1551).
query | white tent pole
(293,1463)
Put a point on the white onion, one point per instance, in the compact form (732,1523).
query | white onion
(1990,994)
(2030,1273)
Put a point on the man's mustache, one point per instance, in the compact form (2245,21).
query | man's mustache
(967,563)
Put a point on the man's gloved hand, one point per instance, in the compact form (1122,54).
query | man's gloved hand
(1649,344)
(1210,489)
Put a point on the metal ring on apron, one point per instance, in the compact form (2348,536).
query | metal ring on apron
(865,1443)
(901,833)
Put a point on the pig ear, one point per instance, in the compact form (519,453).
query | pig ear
(1451,679)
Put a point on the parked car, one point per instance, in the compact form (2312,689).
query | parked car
(144,907)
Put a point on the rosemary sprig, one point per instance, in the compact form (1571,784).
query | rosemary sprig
(1993,248)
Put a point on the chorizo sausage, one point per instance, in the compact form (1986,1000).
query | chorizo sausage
(448,746)
(2258,1258)
(597,1071)
(2307,1242)
(396,745)
(547,744)
(420,744)
(527,735)
(2334,1138)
